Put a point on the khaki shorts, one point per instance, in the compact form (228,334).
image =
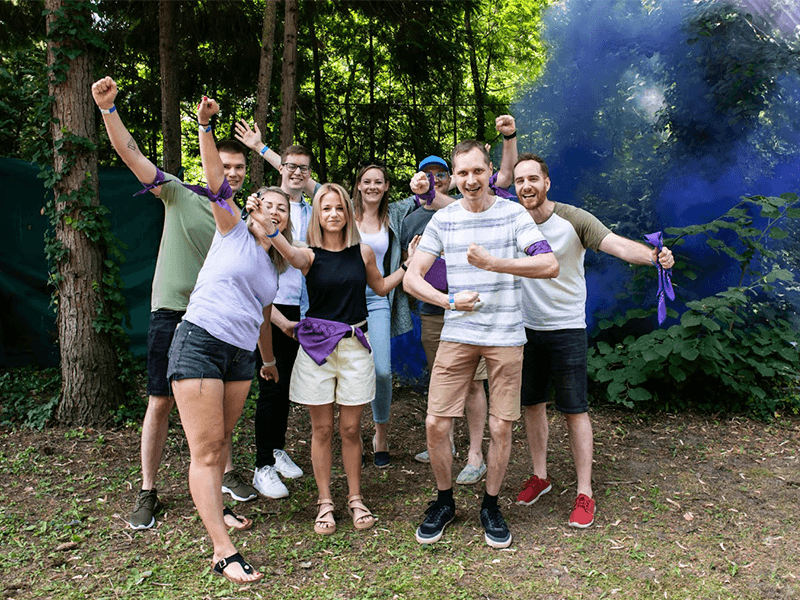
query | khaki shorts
(431,331)
(347,377)
(452,376)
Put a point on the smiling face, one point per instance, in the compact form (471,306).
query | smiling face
(332,214)
(532,184)
(233,163)
(373,186)
(472,172)
(295,171)
(277,207)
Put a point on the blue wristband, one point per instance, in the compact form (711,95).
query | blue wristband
(274,234)
(204,128)
(264,150)
(109,111)
(452,298)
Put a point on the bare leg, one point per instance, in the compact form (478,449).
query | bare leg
(381,437)
(321,453)
(438,431)
(155,428)
(350,432)
(209,410)
(581,442)
(476,421)
(499,453)
(537,431)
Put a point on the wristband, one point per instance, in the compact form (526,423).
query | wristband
(269,364)
(109,111)
(510,137)
(273,234)
(264,150)
(452,301)
(403,266)
(206,128)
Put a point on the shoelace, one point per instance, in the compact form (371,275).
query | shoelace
(583,502)
(495,518)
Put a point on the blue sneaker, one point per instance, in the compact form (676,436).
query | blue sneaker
(437,517)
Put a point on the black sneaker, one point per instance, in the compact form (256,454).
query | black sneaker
(145,511)
(436,519)
(497,533)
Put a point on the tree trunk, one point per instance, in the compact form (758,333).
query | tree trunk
(476,79)
(318,99)
(289,72)
(170,92)
(91,386)
(264,81)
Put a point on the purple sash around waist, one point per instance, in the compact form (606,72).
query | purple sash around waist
(664,277)
(319,337)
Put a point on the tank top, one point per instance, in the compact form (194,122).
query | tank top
(336,285)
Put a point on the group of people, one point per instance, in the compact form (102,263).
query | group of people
(303,295)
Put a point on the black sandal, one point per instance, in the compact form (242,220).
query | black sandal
(246,523)
(248,569)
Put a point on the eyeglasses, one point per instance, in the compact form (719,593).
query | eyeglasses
(441,175)
(291,167)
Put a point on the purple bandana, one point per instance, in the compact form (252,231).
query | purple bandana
(223,194)
(540,247)
(498,191)
(664,277)
(437,275)
(319,337)
(427,196)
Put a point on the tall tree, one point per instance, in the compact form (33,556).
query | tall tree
(289,72)
(480,125)
(91,382)
(170,92)
(318,97)
(264,81)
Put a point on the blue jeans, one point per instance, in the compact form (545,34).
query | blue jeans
(379,321)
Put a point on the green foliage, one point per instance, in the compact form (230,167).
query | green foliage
(29,396)
(731,351)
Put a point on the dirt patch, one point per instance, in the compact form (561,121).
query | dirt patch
(687,506)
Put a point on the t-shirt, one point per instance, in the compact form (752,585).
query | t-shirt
(188,230)
(505,229)
(560,303)
(236,282)
(414,224)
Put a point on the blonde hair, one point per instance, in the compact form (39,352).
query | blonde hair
(350,231)
(281,264)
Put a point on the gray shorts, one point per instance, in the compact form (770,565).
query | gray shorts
(196,354)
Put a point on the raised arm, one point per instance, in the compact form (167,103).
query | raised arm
(104,92)
(252,139)
(420,184)
(212,166)
(635,252)
(505,124)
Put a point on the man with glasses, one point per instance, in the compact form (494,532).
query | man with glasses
(272,405)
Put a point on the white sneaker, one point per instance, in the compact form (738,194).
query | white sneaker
(268,484)
(285,465)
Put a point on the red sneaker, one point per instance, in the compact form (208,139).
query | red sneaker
(533,490)
(583,514)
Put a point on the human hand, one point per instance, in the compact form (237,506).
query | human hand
(207,108)
(420,183)
(467,301)
(412,247)
(104,92)
(249,137)
(269,373)
(665,258)
(288,328)
(505,124)
(477,256)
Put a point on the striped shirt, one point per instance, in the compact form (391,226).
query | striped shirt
(504,229)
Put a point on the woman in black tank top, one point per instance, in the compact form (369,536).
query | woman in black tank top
(335,367)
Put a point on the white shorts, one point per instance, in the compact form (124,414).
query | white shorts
(347,377)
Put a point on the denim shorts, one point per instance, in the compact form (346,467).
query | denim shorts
(159,337)
(196,354)
(557,357)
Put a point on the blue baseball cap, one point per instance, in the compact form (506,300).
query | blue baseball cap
(433,160)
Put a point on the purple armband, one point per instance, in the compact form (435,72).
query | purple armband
(437,275)
(427,196)
(160,179)
(665,289)
(498,191)
(219,198)
(542,247)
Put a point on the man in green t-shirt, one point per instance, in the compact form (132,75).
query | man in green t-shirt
(188,230)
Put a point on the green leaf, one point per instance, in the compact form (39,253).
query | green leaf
(677,373)
(690,354)
(638,394)
(776,233)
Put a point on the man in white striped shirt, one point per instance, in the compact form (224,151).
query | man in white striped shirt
(481,237)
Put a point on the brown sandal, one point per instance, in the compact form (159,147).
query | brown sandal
(366,519)
(325,523)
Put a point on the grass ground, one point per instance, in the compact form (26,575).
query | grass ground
(688,507)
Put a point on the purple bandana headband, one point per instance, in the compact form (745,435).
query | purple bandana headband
(219,198)
(498,191)
(664,277)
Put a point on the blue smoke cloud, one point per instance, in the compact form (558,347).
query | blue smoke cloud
(663,114)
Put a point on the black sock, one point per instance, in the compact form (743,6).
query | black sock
(446,497)
(488,501)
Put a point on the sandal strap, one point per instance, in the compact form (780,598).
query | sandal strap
(234,558)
